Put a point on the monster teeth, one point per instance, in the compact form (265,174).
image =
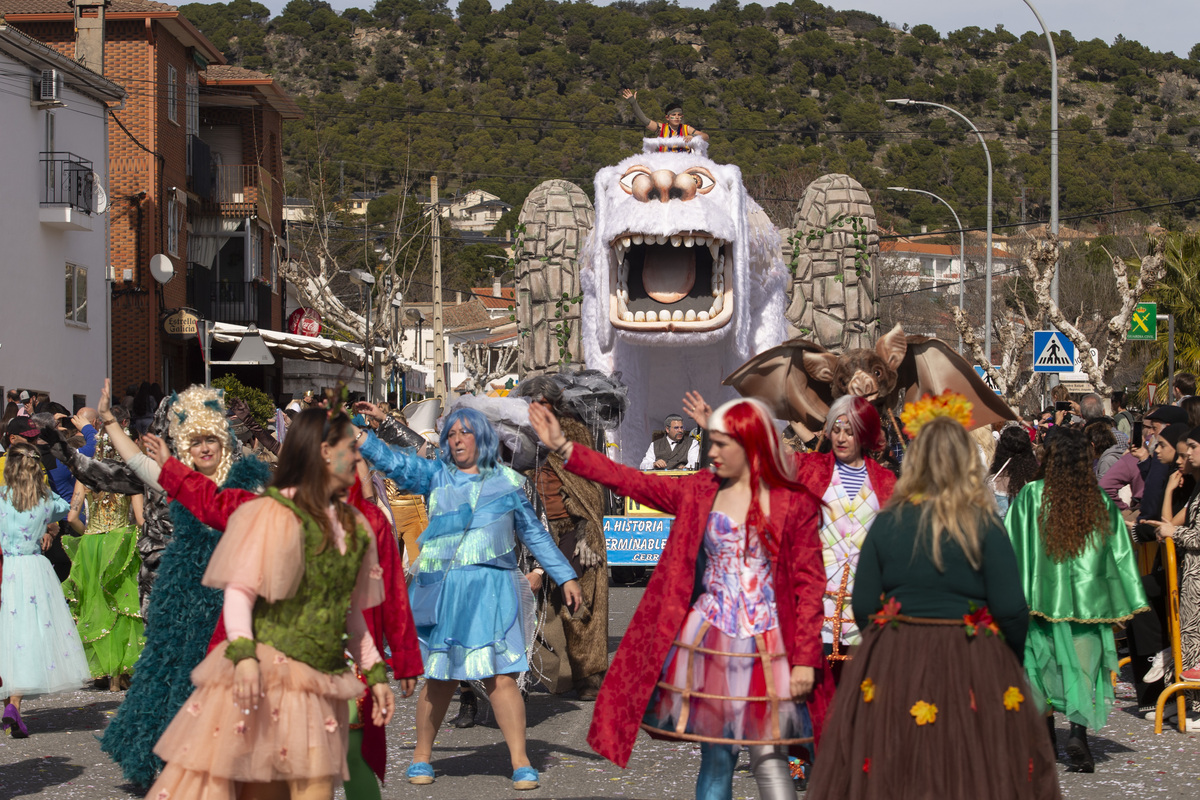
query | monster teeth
(689,241)
(639,239)
(676,240)
(703,316)
(690,316)
(640,316)
(714,250)
(677,316)
(627,317)
(626,242)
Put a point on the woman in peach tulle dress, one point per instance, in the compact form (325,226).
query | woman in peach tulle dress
(269,717)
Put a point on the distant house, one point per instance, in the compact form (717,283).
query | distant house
(358,201)
(913,265)
(194,163)
(475,211)
(53,220)
(297,209)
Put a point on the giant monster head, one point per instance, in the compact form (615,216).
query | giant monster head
(676,246)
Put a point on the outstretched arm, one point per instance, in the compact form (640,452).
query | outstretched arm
(631,96)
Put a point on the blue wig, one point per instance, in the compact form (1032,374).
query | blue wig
(486,444)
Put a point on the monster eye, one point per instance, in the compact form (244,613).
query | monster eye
(629,176)
(704,179)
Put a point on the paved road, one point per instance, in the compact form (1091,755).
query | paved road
(62,760)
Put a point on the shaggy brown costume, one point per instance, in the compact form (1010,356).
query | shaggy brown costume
(580,537)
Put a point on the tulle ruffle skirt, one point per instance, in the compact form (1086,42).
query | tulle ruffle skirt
(40,651)
(724,689)
(299,730)
(103,593)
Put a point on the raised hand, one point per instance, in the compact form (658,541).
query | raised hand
(156,448)
(104,404)
(628,94)
(369,410)
(546,426)
(697,408)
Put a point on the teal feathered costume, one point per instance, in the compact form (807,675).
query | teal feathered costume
(179,623)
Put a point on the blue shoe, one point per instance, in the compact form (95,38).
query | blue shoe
(420,773)
(525,778)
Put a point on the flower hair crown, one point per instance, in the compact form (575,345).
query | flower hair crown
(947,404)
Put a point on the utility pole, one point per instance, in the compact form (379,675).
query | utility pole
(439,342)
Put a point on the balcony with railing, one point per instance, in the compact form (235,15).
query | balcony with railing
(240,190)
(68,197)
(235,302)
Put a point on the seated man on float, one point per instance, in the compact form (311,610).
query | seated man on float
(673,450)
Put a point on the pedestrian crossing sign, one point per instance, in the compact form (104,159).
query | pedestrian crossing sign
(1052,352)
(986,378)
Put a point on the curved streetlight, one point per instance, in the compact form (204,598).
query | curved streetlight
(962,250)
(987,341)
(1053,142)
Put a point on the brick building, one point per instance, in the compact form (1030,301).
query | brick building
(195,165)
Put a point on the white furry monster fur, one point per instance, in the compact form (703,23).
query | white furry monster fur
(717,276)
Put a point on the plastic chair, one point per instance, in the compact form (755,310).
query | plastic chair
(1180,685)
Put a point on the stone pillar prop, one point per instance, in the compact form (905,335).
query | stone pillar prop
(832,296)
(557,218)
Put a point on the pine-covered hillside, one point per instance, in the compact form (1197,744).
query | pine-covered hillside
(500,100)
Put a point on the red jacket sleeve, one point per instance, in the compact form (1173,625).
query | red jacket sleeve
(392,620)
(663,492)
(801,583)
(210,504)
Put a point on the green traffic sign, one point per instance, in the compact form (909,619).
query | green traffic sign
(1143,325)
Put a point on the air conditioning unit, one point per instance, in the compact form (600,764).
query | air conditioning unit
(50,86)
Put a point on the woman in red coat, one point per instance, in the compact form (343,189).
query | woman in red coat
(853,487)
(695,670)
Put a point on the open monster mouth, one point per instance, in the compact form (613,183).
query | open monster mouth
(682,282)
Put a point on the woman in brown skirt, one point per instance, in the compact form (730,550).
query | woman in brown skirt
(935,702)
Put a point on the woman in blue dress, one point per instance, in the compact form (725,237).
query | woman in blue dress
(42,653)
(473,607)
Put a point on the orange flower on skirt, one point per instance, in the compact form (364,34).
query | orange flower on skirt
(868,690)
(924,713)
(1013,699)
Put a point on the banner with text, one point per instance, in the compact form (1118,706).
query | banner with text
(635,541)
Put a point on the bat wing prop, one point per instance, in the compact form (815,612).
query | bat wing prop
(931,366)
(778,378)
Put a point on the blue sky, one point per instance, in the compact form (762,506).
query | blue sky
(1159,24)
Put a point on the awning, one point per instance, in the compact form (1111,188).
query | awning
(309,348)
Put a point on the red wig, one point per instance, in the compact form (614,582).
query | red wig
(863,419)
(748,422)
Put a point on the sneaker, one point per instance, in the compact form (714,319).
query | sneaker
(524,778)
(1158,667)
(13,721)
(1193,725)
(1192,674)
(1170,712)
(419,773)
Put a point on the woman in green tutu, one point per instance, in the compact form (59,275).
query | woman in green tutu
(102,588)
(1080,578)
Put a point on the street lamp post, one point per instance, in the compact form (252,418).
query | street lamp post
(987,341)
(365,281)
(962,250)
(1053,140)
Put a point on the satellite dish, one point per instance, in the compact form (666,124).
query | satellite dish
(161,268)
(101,195)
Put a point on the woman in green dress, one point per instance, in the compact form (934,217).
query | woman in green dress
(102,589)
(1080,578)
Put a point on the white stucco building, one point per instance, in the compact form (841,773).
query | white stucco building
(54,318)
